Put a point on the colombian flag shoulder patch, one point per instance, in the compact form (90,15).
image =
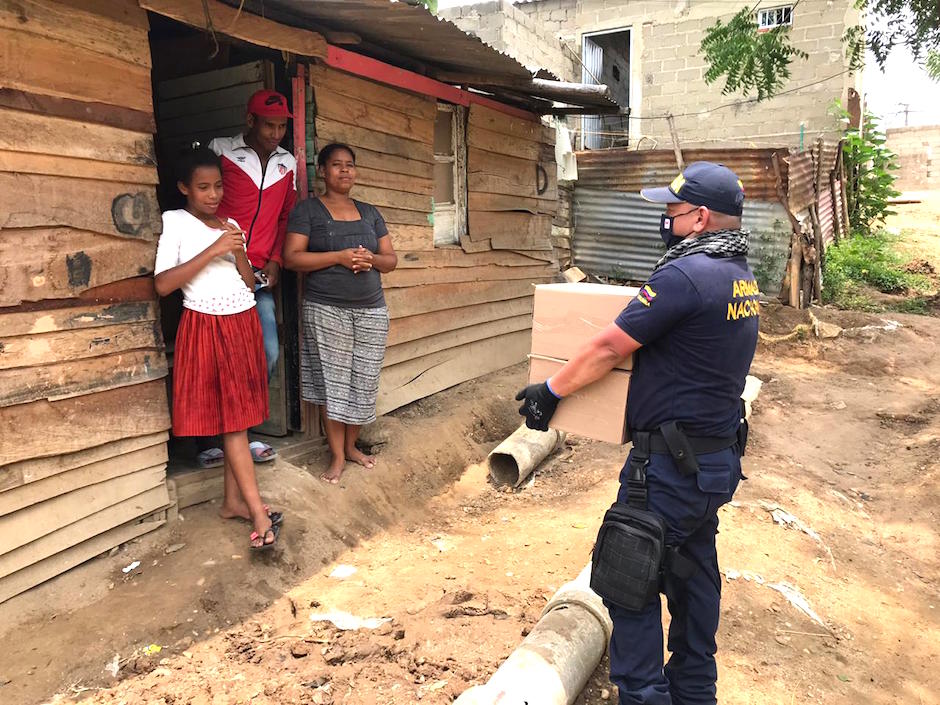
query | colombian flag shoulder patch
(646,295)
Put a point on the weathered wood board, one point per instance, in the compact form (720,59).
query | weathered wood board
(42,571)
(70,71)
(60,263)
(332,131)
(403,352)
(31,523)
(438,297)
(490,272)
(93,473)
(404,330)
(42,428)
(69,346)
(108,207)
(76,317)
(73,378)
(358,111)
(324,80)
(404,383)
(34,470)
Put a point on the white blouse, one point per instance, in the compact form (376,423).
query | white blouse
(218,289)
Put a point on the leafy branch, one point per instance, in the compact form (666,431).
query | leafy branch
(750,61)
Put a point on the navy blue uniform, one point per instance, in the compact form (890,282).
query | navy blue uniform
(697,320)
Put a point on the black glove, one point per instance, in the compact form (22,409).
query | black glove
(538,405)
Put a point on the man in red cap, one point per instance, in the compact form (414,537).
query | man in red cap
(259,191)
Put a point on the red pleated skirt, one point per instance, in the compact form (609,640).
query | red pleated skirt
(220,381)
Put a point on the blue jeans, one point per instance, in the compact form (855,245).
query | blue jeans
(264,303)
(689,504)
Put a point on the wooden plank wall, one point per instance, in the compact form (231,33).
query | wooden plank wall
(563,226)
(457,312)
(83,410)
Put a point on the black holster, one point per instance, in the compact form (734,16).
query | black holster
(630,550)
(631,561)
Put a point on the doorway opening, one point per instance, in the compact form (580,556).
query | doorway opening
(606,59)
(201,88)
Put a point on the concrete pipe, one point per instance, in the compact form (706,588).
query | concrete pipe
(513,460)
(552,665)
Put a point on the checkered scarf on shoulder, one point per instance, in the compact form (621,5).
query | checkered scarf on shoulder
(720,243)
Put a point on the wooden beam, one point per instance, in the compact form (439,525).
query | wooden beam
(50,165)
(299,88)
(332,131)
(521,226)
(241,25)
(394,76)
(491,272)
(61,483)
(141,503)
(502,144)
(31,523)
(359,112)
(397,354)
(454,257)
(440,297)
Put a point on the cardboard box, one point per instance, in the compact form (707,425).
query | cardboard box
(566,316)
(597,411)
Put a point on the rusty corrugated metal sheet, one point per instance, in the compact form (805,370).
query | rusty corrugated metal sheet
(801,179)
(826,215)
(630,170)
(837,192)
(617,234)
(828,153)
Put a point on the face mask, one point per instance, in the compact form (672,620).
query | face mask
(665,231)
(665,228)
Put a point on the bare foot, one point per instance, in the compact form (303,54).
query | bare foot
(335,471)
(357,456)
(236,511)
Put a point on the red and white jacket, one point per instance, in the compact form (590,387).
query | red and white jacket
(259,199)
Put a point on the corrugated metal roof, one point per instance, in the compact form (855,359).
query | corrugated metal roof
(406,28)
(617,234)
(630,170)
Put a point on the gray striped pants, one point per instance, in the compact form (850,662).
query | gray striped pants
(341,357)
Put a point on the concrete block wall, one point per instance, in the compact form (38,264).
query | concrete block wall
(918,150)
(667,69)
(500,24)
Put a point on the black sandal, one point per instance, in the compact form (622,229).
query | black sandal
(265,545)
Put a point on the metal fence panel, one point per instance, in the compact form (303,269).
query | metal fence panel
(617,235)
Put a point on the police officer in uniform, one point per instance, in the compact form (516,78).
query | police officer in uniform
(693,332)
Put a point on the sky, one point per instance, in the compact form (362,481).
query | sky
(903,84)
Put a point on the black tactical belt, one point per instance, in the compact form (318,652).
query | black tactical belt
(669,438)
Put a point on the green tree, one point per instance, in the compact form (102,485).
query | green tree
(869,168)
(758,65)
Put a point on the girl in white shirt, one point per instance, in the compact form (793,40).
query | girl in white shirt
(220,383)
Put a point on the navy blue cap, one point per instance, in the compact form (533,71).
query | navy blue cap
(707,184)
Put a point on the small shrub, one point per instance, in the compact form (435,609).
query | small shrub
(870,260)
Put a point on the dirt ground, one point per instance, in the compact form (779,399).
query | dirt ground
(845,438)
